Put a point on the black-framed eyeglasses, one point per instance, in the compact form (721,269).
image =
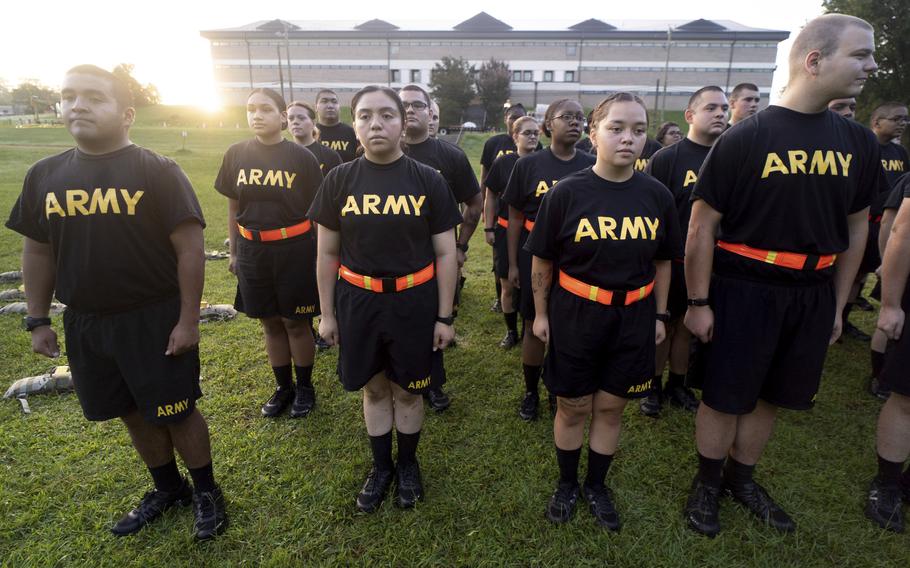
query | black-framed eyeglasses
(416,105)
(570,117)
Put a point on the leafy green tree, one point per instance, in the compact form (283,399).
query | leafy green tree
(452,85)
(494,87)
(142,95)
(892,49)
(31,91)
(6,95)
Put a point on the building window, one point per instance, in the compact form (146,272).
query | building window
(548,76)
(516,75)
(396,75)
(415,75)
(571,49)
(527,76)
(569,77)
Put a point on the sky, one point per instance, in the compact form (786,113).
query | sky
(162,39)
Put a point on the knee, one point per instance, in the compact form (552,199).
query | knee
(611,416)
(377,393)
(900,403)
(404,398)
(272,326)
(573,413)
(297,328)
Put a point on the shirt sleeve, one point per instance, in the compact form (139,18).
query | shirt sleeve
(717,177)
(466,185)
(514,193)
(899,192)
(225,181)
(486,156)
(671,246)
(27,217)
(872,179)
(326,207)
(444,213)
(313,177)
(178,201)
(543,238)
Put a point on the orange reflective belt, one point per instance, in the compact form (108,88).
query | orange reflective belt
(529,224)
(792,260)
(608,297)
(503,222)
(274,234)
(381,285)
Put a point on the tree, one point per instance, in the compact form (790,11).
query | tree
(494,87)
(452,84)
(30,90)
(892,44)
(142,95)
(6,95)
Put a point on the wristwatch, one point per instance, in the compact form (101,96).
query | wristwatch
(447,321)
(697,302)
(489,229)
(462,247)
(30,324)
(664,317)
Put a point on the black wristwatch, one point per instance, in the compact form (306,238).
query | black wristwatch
(30,324)
(664,317)
(447,321)
(462,247)
(697,302)
(489,229)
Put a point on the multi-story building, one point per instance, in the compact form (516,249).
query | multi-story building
(662,61)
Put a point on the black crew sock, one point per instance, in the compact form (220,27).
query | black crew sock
(568,465)
(407,446)
(532,376)
(382,451)
(166,477)
(675,380)
(889,472)
(738,473)
(511,321)
(203,478)
(304,376)
(283,376)
(710,471)
(598,466)
(878,361)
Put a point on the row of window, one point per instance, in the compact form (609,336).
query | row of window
(525,75)
(684,69)
(415,76)
(302,67)
(571,48)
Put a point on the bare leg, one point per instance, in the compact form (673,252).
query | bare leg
(408,410)
(300,341)
(606,422)
(152,442)
(532,349)
(892,438)
(191,439)
(679,348)
(753,431)
(377,405)
(714,432)
(569,425)
(276,342)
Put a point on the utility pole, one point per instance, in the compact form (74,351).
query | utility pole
(666,72)
(287,47)
(280,74)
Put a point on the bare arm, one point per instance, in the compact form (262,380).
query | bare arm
(702,237)
(233,234)
(884,231)
(661,290)
(190,250)
(39,275)
(490,206)
(895,266)
(473,209)
(513,235)
(446,278)
(848,263)
(328,249)
(541,284)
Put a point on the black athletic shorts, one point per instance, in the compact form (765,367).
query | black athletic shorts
(871,258)
(526,296)
(118,364)
(596,347)
(769,343)
(277,278)
(391,332)
(894,374)
(501,252)
(678,295)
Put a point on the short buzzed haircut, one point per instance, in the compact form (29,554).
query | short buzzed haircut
(696,96)
(738,90)
(821,34)
(885,109)
(323,91)
(119,89)
(418,88)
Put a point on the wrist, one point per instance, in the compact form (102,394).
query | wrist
(663,316)
(446,320)
(30,323)
(697,302)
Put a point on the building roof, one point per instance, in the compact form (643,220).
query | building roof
(483,25)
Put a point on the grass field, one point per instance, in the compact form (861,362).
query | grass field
(290,484)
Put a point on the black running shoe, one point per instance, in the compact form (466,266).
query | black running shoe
(650,405)
(211,516)
(152,505)
(374,489)
(438,399)
(682,397)
(562,503)
(304,402)
(279,400)
(702,508)
(409,485)
(863,304)
(755,498)
(856,333)
(529,406)
(600,502)
(510,340)
(496,307)
(877,390)
(883,506)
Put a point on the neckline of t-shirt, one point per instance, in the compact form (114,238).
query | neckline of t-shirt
(617,185)
(693,143)
(388,166)
(115,154)
(256,142)
(560,160)
(785,110)
(338,124)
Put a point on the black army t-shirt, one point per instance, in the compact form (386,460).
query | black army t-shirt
(895,163)
(900,190)
(651,147)
(604,233)
(326,157)
(677,168)
(108,219)
(494,147)
(534,175)
(498,178)
(386,214)
(786,181)
(275,184)
(450,161)
(585,145)
(339,137)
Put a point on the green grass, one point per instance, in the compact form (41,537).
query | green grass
(290,484)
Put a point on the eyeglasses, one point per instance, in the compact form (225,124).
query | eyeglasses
(416,105)
(899,119)
(570,117)
(530,133)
